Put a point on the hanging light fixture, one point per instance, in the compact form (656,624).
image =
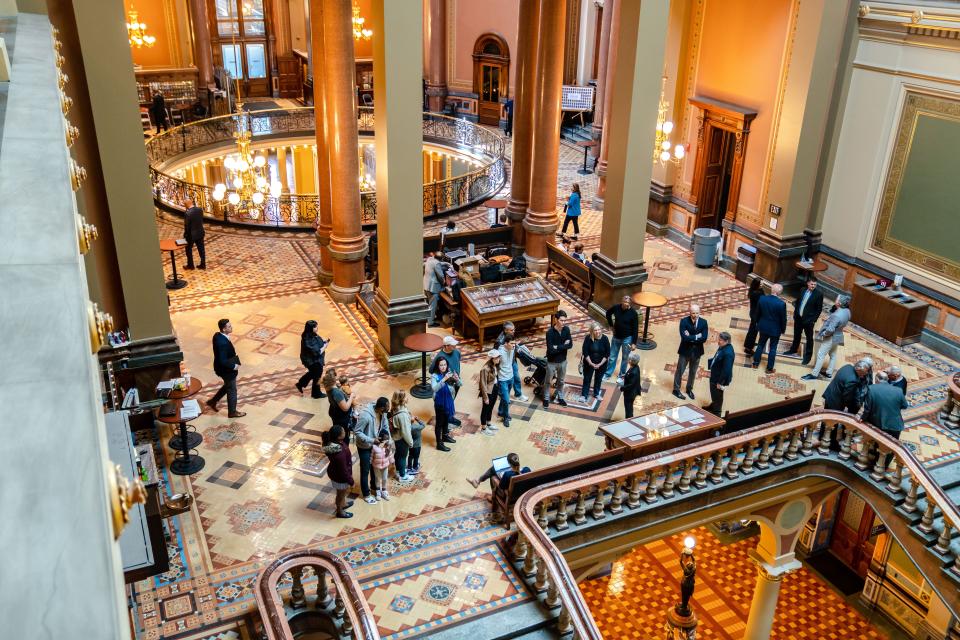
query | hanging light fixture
(137,31)
(248,176)
(359,31)
(663,149)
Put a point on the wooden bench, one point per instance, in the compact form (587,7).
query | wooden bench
(520,484)
(480,238)
(364,303)
(570,271)
(780,410)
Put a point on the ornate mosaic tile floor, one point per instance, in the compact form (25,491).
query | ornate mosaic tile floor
(263,490)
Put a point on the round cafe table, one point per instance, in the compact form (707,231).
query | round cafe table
(649,300)
(808,269)
(177,282)
(586,144)
(193,438)
(424,343)
(184,464)
(496,205)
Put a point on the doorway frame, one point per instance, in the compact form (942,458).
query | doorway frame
(716,114)
(481,58)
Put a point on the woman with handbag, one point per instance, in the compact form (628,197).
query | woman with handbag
(401,432)
(572,209)
(442,402)
(489,391)
(312,349)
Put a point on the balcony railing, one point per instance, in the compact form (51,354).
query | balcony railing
(644,484)
(337,596)
(302,210)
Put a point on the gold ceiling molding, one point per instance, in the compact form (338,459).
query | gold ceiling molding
(887,22)
(915,105)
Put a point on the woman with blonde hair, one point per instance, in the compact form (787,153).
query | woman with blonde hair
(489,391)
(401,430)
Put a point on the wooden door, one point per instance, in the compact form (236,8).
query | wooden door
(851,541)
(490,79)
(713,188)
(288,70)
(491,69)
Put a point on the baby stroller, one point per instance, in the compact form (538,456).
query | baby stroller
(527,359)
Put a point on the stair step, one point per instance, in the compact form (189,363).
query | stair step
(522,621)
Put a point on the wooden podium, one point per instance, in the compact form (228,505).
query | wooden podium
(886,313)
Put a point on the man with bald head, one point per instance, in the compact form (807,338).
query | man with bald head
(693,333)
(771,324)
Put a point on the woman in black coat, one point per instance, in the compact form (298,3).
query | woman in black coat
(631,383)
(312,348)
(754,296)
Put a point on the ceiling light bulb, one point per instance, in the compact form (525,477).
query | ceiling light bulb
(218,195)
(679,151)
(257,197)
(234,199)
(259,161)
(261,182)
(243,165)
(665,145)
(237,182)
(667,127)
(664,155)
(689,542)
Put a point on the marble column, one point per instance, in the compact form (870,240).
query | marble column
(202,50)
(770,573)
(541,220)
(612,47)
(303,169)
(602,57)
(435,47)
(282,170)
(640,36)
(348,245)
(523,118)
(315,42)
(800,127)
(399,305)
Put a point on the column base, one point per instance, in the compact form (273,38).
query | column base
(681,627)
(540,229)
(324,278)
(613,281)
(396,319)
(516,211)
(777,257)
(658,213)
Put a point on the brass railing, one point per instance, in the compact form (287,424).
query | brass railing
(302,210)
(341,600)
(641,484)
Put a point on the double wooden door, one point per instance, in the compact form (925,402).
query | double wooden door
(853,536)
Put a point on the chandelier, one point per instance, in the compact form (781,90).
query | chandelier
(664,150)
(248,176)
(359,31)
(137,31)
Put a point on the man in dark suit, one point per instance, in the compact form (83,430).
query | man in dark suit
(193,233)
(771,323)
(882,408)
(895,377)
(693,333)
(721,372)
(806,310)
(843,392)
(226,364)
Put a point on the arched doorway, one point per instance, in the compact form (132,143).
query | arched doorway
(491,73)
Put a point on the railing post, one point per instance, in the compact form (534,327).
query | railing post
(863,454)
(794,446)
(633,497)
(579,513)
(540,584)
(553,596)
(666,490)
(926,522)
(339,607)
(564,625)
(910,503)
(943,542)
(616,501)
(684,485)
(763,459)
(846,442)
(733,465)
(779,449)
(896,478)
(597,511)
(824,447)
(521,549)
(716,473)
(297,597)
(347,626)
(700,479)
(809,440)
(651,494)
(747,465)
(880,465)
(542,517)
(560,523)
(530,563)
(323,593)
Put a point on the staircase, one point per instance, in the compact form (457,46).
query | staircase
(576,132)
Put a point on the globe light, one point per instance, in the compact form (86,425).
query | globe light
(237,182)
(689,542)
(218,195)
(259,161)
(276,189)
(667,127)
(229,162)
(665,145)
(257,197)
(664,155)
(243,165)
(234,199)
(219,187)
(679,151)
(261,182)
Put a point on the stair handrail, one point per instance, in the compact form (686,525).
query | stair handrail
(348,600)
(542,557)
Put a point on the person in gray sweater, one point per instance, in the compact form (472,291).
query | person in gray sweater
(508,351)
(831,337)
(371,421)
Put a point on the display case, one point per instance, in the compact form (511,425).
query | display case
(493,304)
(179,86)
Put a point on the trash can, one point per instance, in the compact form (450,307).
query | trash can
(705,243)
(746,255)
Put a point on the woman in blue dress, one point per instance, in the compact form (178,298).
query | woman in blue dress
(572,209)
(443,402)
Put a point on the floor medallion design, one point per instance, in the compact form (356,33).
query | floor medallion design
(255,515)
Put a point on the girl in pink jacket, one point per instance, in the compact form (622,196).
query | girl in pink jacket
(382,453)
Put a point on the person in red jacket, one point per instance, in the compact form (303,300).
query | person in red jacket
(340,469)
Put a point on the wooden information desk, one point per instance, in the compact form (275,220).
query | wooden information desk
(886,313)
(491,305)
(655,432)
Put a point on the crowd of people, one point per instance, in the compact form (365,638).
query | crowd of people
(386,434)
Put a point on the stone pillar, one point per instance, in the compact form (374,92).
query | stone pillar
(282,170)
(348,245)
(315,41)
(202,50)
(602,55)
(399,304)
(612,47)
(541,220)
(800,127)
(303,170)
(523,110)
(435,47)
(641,32)
(770,574)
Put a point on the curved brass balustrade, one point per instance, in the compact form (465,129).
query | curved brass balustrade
(346,604)
(302,210)
(643,483)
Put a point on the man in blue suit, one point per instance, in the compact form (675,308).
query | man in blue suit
(771,323)
(693,333)
(226,364)
(721,372)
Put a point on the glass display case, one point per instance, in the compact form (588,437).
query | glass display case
(491,305)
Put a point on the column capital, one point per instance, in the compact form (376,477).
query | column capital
(774,569)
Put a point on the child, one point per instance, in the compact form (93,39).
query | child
(383,453)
